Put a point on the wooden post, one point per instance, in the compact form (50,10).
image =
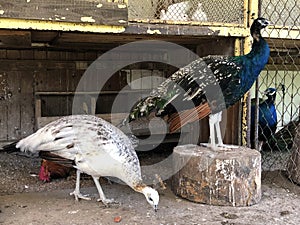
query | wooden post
(93,105)
(293,164)
(229,178)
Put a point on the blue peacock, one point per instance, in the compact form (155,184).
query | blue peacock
(267,118)
(205,87)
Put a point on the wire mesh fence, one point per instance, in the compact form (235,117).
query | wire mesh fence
(226,11)
(282,73)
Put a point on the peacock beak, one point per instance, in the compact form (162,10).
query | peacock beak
(155,208)
(269,23)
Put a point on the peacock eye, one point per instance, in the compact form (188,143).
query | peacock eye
(150,199)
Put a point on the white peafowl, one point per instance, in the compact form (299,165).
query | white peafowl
(179,12)
(95,147)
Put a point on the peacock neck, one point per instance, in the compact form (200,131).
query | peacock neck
(139,187)
(258,56)
(271,99)
(260,48)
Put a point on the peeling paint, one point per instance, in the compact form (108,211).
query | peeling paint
(27,1)
(87,19)
(226,168)
(8,23)
(122,21)
(99,5)
(149,31)
(1,12)
(121,6)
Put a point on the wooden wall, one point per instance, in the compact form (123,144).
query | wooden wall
(26,72)
(51,76)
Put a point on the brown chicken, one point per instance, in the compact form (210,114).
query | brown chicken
(53,170)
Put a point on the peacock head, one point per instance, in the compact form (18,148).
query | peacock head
(271,93)
(261,22)
(152,196)
(257,25)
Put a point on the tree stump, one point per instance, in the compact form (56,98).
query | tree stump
(293,164)
(225,177)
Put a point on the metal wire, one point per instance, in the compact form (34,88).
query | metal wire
(225,11)
(283,74)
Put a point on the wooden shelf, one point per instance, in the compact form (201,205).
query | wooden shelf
(49,93)
(140,128)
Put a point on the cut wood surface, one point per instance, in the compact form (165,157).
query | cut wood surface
(293,164)
(225,177)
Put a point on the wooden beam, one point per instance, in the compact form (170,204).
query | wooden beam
(209,29)
(109,13)
(19,65)
(43,25)
(15,38)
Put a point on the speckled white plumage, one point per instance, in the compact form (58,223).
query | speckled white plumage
(97,148)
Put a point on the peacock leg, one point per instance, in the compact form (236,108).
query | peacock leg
(102,198)
(218,129)
(214,124)
(212,138)
(76,192)
(218,119)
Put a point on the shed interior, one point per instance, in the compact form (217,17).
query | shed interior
(46,49)
(41,69)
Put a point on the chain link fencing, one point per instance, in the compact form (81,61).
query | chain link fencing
(282,73)
(226,11)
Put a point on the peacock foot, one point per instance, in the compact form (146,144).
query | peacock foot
(219,147)
(78,195)
(107,202)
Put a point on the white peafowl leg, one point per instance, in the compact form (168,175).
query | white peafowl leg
(76,192)
(260,144)
(102,198)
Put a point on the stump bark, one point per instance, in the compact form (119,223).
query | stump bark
(293,164)
(228,178)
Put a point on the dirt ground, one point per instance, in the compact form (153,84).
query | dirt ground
(26,200)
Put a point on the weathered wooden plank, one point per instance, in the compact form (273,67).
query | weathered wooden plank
(231,121)
(19,65)
(26,103)
(13,54)
(73,78)
(27,54)
(3,54)
(13,106)
(82,11)
(40,54)
(4,98)
(38,107)
(293,163)
(3,120)
(15,38)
